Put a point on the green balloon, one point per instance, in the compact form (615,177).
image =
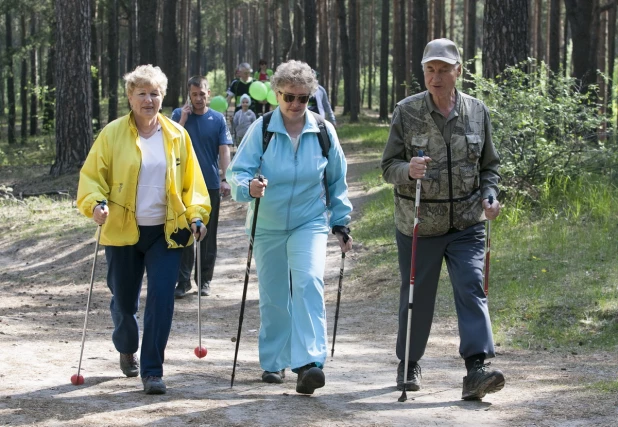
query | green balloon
(267,84)
(271,97)
(218,103)
(258,91)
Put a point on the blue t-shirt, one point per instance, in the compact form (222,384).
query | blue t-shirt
(207,133)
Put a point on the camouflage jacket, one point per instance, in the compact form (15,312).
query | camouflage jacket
(462,173)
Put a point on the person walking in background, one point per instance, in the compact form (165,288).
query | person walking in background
(240,86)
(459,172)
(319,104)
(292,226)
(242,119)
(211,141)
(143,166)
(263,74)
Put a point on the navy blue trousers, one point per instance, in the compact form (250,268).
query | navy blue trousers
(463,252)
(126,265)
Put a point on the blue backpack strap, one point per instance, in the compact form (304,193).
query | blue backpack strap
(324,140)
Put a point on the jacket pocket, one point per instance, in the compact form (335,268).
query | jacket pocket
(474,146)
(419,143)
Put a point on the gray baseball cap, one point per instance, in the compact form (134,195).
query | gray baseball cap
(441,50)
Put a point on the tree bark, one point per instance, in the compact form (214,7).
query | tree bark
(147,28)
(354,63)
(112,51)
(286,31)
(469,41)
(334,53)
(553,39)
(345,55)
(34,65)
(505,35)
(73,90)
(583,19)
(323,59)
(399,49)
(95,69)
(371,61)
(10,80)
(23,81)
(384,43)
(310,33)
(170,55)
(419,26)
(438,19)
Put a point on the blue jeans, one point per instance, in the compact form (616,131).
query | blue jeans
(126,265)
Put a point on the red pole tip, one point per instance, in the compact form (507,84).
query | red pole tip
(77,379)
(200,352)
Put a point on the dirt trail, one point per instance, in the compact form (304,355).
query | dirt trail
(42,302)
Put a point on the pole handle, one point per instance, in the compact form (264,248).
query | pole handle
(421,153)
(490,199)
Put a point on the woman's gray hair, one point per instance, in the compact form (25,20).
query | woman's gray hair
(145,75)
(244,67)
(294,73)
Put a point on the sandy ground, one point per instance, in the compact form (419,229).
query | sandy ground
(43,297)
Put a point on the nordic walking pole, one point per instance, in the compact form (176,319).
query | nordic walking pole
(244,291)
(490,199)
(199,350)
(417,201)
(78,379)
(345,240)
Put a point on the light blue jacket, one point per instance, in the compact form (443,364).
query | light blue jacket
(295,194)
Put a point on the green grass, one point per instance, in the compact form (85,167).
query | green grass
(554,265)
(370,133)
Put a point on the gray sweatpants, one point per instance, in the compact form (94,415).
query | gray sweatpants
(464,255)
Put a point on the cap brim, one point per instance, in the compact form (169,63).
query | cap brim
(439,58)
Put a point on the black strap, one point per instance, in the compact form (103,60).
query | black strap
(323,139)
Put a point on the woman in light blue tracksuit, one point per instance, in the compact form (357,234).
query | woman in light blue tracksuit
(292,226)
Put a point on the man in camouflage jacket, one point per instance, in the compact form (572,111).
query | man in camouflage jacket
(459,171)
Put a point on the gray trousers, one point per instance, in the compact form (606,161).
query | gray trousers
(463,252)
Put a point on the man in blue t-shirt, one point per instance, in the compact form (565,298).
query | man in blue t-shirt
(211,141)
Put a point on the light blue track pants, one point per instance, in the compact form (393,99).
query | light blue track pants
(293,327)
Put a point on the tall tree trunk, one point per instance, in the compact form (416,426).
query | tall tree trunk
(539,45)
(371,60)
(170,55)
(602,67)
(399,48)
(505,35)
(583,19)
(419,26)
(451,26)
(553,39)
(74,90)
(323,59)
(384,43)
(345,55)
(469,41)
(198,39)
(34,82)
(272,48)
(49,104)
(10,79)
(286,31)
(611,56)
(438,19)
(310,33)
(298,43)
(23,82)
(334,52)
(133,51)
(147,28)
(112,51)
(354,63)
(95,69)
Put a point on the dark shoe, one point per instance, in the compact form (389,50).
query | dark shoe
(273,377)
(414,376)
(310,377)
(205,289)
(154,385)
(481,380)
(181,289)
(129,365)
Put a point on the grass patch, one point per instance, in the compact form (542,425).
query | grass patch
(369,135)
(554,271)
(606,386)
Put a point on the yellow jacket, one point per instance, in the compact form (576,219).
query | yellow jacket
(111,173)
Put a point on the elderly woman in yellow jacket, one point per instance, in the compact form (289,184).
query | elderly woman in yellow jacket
(143,166)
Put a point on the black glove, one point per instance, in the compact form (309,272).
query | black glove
(343,230)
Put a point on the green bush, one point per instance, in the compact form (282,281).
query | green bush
(544,126)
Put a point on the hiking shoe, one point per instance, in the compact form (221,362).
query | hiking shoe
(414,376)
(129,365)
(481,380)
(205,289)
(181,289)
(273,377)
(154,385)
(310,377)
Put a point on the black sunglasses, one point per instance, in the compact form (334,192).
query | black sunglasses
(289,98)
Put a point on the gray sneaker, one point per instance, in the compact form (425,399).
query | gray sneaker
(310,377)
(481,380)
(414,376)
(273,377)
(181,289)
(154,385)
(205,289)
(129,365)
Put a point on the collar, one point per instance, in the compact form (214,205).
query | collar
(431,106)
(276,123)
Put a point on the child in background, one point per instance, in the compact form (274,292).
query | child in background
(242,119)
